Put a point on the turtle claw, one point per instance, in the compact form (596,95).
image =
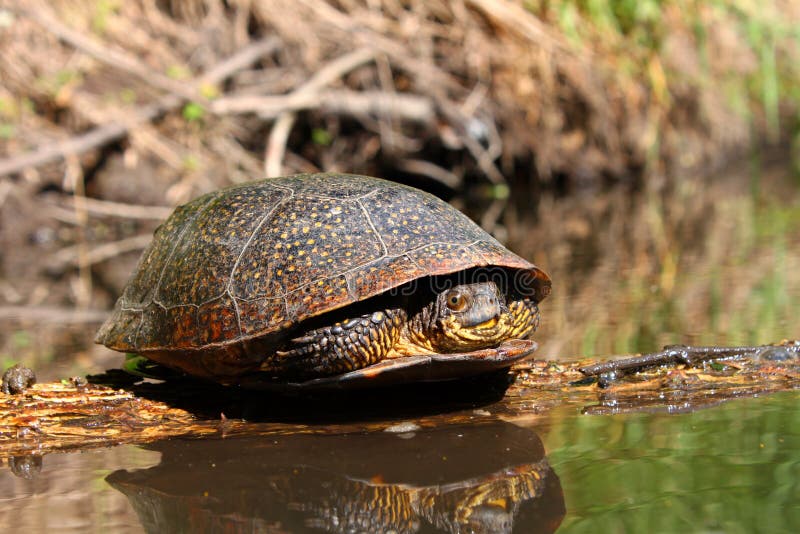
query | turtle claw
(304,340)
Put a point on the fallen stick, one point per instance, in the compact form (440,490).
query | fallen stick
(70,256)
(682,354)
(42,314)
(402,106)
(107,208)
(431,170)
(116,407)
(521,21)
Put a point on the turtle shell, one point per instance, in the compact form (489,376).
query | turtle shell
(258,258)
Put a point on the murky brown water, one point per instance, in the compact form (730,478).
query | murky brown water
(718,264)
(67,492)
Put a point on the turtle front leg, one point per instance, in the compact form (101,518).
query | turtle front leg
(341,347)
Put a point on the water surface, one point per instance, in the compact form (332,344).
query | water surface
(731,468)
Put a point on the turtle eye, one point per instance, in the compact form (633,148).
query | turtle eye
(456,301)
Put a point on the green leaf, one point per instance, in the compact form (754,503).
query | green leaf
(178,72)
(7,131)
(140,366)
(320,136)
(193,112)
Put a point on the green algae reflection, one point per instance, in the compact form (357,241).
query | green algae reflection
(732,468)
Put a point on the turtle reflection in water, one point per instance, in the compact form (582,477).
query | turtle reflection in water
(326,279)
(482,478)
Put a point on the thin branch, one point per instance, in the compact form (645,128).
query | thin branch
(5,190)
(112,131)
(70,256)
(351,28)
(491,215)
(334,70)
(74,181)
(431,170)
(276,144)
(682,354)
(238,61)
(484,157)
(523,22)
(84,142)
(125,211)
(40,314)
(402,106)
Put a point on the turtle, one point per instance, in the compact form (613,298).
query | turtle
(326,279)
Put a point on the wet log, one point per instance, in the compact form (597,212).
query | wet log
(115,408)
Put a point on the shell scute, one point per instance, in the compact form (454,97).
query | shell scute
(254,314)
(122,328)
(305,240)
(318,296)
(205,254)
(437,257)
(141,288)
(408,219)
(370,281)
(217,321)
(175,326)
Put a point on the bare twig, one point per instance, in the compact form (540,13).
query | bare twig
(239,60)
(385,121)
(112,131)
(147,138)
(276,144)
(125,211)
(518,19)
(682,354)
(431,170)
(71,257)
(5,189)
(73,178)
(41,314)
(353,29)
(84,142)
(484,157)
(337,68)
(402,106)
(491,214)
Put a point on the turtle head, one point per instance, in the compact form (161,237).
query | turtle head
(471,306)
(472,316)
